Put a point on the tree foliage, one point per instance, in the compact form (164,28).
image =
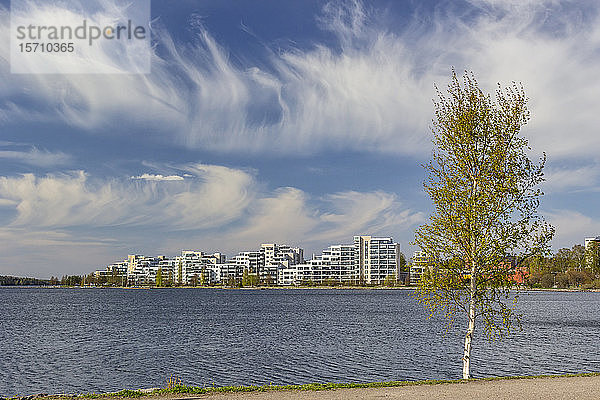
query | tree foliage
(592,256)
(20,281)
(159,277)
(485,190)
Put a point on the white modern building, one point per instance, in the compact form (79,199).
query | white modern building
(310,271)
(230,272)
(197,267)
(276,257)
(376,258)
(143,270)
(369,260)
(287,276)
(338,263)
(418,266)
(250,261)
(115,273)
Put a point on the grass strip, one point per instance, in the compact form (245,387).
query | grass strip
(183,389)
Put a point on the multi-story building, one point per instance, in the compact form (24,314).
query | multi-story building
(143,270)
(376,259)
(295,255)
(338,263)
(214,258)
(287,276)
(590,240)
(230,272)
(251,261)
(115,273)
(276,257)
(188,267)
(310,271)
(197,268)
(367,260)
(269,251)
(166,266)
(418,266)
(132,261)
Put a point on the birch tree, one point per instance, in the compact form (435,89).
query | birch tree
(485,190)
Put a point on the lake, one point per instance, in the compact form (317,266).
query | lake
(60,340)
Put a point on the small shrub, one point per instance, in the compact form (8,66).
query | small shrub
(173,381)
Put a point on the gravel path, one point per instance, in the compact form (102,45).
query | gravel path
(576,388)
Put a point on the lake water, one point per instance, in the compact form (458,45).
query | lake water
(96,340)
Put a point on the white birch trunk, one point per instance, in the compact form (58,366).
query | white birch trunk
(468,340)
(471,327)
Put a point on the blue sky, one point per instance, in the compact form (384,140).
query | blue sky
(300,122)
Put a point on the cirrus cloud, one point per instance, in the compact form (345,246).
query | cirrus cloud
(371,91)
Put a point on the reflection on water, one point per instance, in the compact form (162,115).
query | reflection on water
(98,340)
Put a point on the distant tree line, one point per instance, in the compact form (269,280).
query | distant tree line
(577,267)
(18,281)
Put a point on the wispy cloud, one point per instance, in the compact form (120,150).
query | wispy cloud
(572,227)
(373,93)
(366,97)
(580,178)
(152,177)
(36,157)
(217,196)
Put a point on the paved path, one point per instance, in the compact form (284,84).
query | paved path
(561,388)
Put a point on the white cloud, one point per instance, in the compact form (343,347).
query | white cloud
(216,208)
(152,177)
(572,227)
(36,157)
(45,253)
(291,216)
(365,213)
(8,203)
(366,97)
(372,94)
(559,179)
(553,51)
(217,196)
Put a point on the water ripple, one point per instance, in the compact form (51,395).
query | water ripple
(75,340)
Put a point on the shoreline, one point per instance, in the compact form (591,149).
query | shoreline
(282,288)
(330,390)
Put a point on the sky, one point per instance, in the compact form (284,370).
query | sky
(302,122)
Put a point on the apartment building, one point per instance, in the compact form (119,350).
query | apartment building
(287,276)
(338,264)
(197,267)
(276,257)
(251,261)
(376,259)
(143,270)
(368,260)
(310,271)
(230,271)
(418,266)
(115,273)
